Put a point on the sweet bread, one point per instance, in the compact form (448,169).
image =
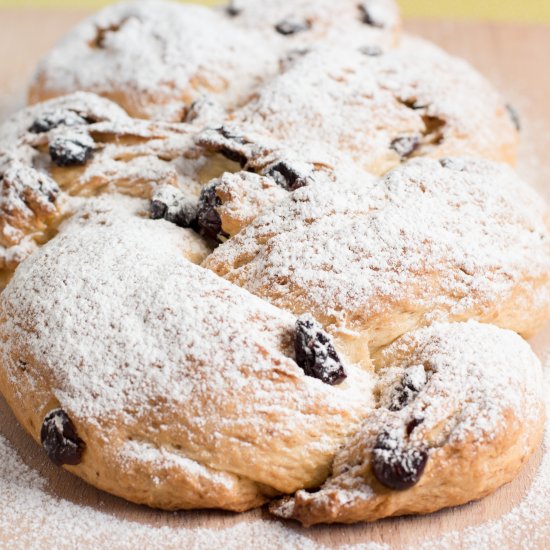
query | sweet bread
(299,23)
(154,379)
(151,378)
(156,58)
(460,409)
(272,170)
(451,240)
(235,285)
(32,202)
(54,153)
(382,108)
(81,145)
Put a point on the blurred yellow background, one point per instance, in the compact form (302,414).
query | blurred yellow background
(508,10)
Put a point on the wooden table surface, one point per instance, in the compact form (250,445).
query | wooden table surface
(514,57)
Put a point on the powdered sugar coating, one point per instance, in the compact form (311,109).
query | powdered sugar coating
(156,58)
(77,107)
(448,240)
(483,388)
(113,152)
(28,502)
(243,196)
(27,200)
(145,453)
(341,22)
(22,134)
(361,104)
(125,149)
(475,373)
(138,344)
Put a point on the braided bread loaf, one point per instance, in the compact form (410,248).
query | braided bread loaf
(289,281)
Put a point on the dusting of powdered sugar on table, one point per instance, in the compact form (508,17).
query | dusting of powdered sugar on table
(31,517)
(44,519)
(514,529)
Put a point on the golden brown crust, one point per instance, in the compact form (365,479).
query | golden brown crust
(157,60)
(452,240)
(184,388)
(157,380)
(384,108)
(477,413)
(56,153)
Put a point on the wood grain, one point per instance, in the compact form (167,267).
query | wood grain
(514,58)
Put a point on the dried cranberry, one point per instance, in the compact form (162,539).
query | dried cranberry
(170,204)
(232,148)
(71,151)
(368,17)
(286,176)
(411,384)
(52,119)
(233,9)
(289,27)
(514,116)
(157,209)
(208,219)
(395,465)
(405,146)
(414,423)
(60,440)
(315,353)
